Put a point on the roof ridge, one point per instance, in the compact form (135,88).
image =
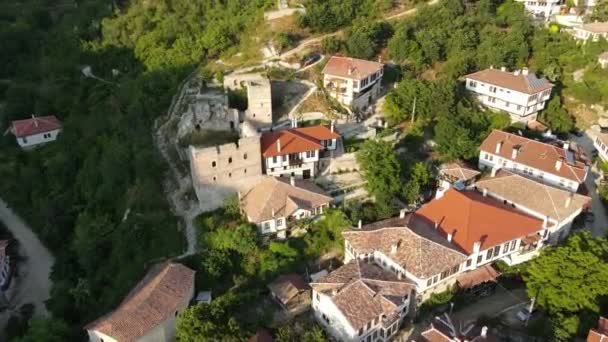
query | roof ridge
(306,190)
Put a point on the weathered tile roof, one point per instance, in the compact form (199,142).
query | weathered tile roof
(536,154)
(547,200)
(275,194)
(288,286)
(601,333)
(458,171)
(421,252)
(444,329)
(295,140)
(152,301)
(477,276)
(527,84)
(363,291)
(35,125)
(359,68)
(471,217)
(598,27)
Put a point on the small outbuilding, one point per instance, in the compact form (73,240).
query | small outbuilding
(291,292)
(36,130)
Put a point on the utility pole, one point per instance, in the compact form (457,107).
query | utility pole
(414,109)
(530,309)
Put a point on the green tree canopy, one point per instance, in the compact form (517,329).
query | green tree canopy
(556,116)
(599,13)
(569,279)
(380,167)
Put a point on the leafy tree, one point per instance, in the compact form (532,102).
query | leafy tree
(316,334)
(380,167)
(431,98)
(556,117)
(283,40)
(331,45)
(360,45)
(210,322)
(599,13)
(46,330)
(569,279)
(278,257)
(326,233)
(419,178)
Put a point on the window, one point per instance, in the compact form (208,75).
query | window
(496,251)
(455,269)
(214,178)
(310,154)
(229,160)
(176,312)
(318,297)
(230,175)
(213,164)
(518,107)
(245,171)
(472,84)
(360,331)
(24,140)
(429,282)
(505,248)
(492,89)
(479,259)
(369,338)
(279,222)
(375,320)
(274,159)
(469,261)
(245,156)
(491,99)
(489,254)
(369,326)
(435,279)
(266,225)
(513,244)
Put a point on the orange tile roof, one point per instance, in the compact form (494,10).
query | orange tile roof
(527,84)
(471,217)
(536,154)
(360,69)
(295,140)
(152,301)
(601,333)
(477,276)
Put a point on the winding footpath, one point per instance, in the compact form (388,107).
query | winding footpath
(32,282)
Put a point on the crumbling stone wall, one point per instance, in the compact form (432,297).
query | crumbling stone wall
(221,171)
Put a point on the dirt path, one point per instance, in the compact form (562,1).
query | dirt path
(32,283)
(312,41)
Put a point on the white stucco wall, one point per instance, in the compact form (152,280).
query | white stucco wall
(37,139)
(547,8)
(352,88)
(582,34)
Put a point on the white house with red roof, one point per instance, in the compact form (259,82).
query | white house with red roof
(296,151)
(519,93)
(36,130)
(353,82)
(564,166)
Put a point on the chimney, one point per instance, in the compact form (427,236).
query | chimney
(558,164)
(292,181)
(450,237)
(394,248)
(484,331)
(516,72)
(279,145)
(491,67)
(35,121)
(239,194)
(569,200)
(399,276)
(272,212)
(485,192)
(503,69)
(514,152)
(294,123)
(494,170)
(359,224)
(379,59)
(332,126)
(476,246)
(498,146)
(566,145)
(524,71)
(350,70)
(436,224)
(545,221)
(402,213)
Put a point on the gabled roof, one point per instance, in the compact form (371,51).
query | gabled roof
(295,140)
(596,27)
(288,286)
(35,125)
(538,155)
(444,329)
(601,333)
(458,171)
(471,217)
(544,199)
(275,194)
(359,68)
(363,291)
(156,298)
(422,256)
(527,84)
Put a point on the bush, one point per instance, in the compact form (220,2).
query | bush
(331,45)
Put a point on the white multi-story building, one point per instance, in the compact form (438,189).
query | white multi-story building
(353,82)
(361,302)
(297,151)
(36,130)
(593,31)
(274,203)
(520,93)
(563,166)
(543,8)
(560,207)
(150,310)
(601,145)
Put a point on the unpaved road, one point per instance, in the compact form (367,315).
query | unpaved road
(32,283)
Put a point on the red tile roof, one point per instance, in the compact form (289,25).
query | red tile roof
(295,140)
(601,333)
(471,217)
(527,84)
(156,298)
(477,276)
(35,125)
(538,155)
(360,69)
